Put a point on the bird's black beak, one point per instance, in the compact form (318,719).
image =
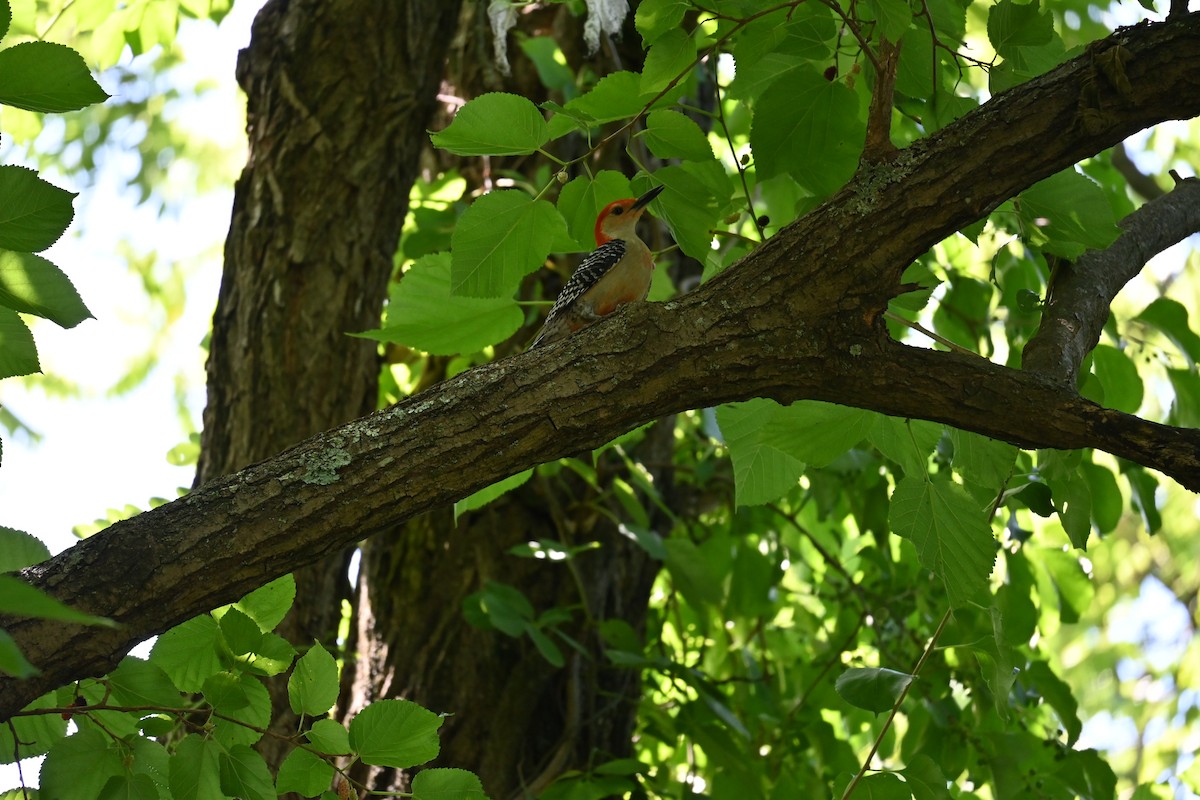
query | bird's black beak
(645,199)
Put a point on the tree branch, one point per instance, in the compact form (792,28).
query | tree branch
(798,318)
(1078,307)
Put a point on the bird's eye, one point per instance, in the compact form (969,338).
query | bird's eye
(618,210)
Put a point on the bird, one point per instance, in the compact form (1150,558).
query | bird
(616,273)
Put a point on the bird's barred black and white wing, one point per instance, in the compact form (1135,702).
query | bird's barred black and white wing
(589,272)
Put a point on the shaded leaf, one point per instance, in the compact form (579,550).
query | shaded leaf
(46,77)
(303,773)
(872,688)
(244,774)
(395,733)
(313,685)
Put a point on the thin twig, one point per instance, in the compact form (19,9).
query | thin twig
(916,326)
(862,771)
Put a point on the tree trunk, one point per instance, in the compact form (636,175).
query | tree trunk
(339,95)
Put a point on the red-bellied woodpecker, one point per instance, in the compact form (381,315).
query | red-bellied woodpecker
(617,272)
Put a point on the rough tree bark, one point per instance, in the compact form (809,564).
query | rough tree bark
(339,95)
(736,337)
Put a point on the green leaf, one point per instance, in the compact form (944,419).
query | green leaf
(329,736)
(808,127)
(150,766)
(551,65)
(5,18)
(617,95)
(691,573)
(872,688)
(248,719)
(19,550)
(244,774)
(980,460)
(762,472)
(1185,408)
(225,692)
(548,649)
(240,633)
(395,733)
(1107,503)
(130,787)
(313,686)
(494,124)
(894,17)
(13,661)
(951,534)
(504,607)
(18,355)
(271,656)
(690,209)
(33,213)
(140,683)
(500,239)
(1170,317)
(908,442)
(268,604)
(46,77)
(1013,25)
(20,599)
(424,314)
(188,653)
(670,134)
(303,773)
(1074,587)
(1058,694)
(78,767)
(447,784)
(671,56)
(581,201)
(925,779)
(882,786)
(35,735)
(489,493)
(818,432)
(1026,63)
(1069,214)
(657,17)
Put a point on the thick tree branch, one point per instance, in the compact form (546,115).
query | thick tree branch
(1077,308)
(798,318)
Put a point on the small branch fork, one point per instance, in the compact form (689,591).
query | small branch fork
(1078,306)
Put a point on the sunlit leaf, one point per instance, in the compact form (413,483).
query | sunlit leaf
(500,239)
(424,314)
(494,124)
(951,534)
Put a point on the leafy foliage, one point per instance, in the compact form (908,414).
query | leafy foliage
(786,617)
(42,77)
(764,604)
(201,697)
